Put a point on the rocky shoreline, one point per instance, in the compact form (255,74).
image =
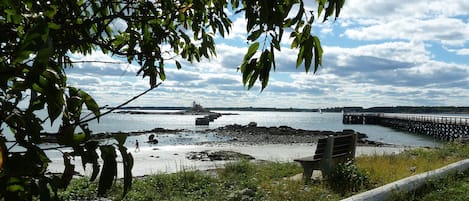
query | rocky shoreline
(251,134)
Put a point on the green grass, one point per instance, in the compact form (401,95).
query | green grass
(246,180)
(388,168)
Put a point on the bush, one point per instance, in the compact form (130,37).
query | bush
(348,178)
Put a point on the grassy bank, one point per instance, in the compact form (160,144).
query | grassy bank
(388,168)
(271,180)
(237,181)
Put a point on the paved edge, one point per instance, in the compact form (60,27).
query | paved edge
(409,183)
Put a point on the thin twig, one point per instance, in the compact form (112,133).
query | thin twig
(57,148)
(104,62)
(15,143)
(119,106)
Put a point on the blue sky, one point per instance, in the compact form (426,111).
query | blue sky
(378,53)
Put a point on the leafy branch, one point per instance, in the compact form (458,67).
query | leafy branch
(38,37)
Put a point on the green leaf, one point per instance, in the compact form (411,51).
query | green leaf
(67,175)
(44,193)
(161,71)
(272,57)
(109,171)
(15,184)
(299,58)
(120,138)
(338,7)
(90,103)
(90,156)
(253,79)
(264,68)
(251,51)
(52,25)
(128,163)
(321,4)
(255,35)
(317,53)
(66,134)
(247,71)
(178,65)
(308,53)
(55,102)
(78,138)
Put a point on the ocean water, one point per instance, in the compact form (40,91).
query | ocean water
(115,122)
(300,120)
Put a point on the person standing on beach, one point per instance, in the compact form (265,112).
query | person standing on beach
(137,148)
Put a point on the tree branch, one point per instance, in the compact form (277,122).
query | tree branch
(119,106)
(104,62)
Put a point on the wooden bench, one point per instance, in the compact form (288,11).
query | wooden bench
(330,151)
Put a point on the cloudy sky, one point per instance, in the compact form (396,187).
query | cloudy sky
(378,53)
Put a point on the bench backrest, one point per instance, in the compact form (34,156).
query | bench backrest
(337,146)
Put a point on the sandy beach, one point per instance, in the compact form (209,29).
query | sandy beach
(173,158)
(175,149)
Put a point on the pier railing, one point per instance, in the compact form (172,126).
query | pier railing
(441,126)
(445,119)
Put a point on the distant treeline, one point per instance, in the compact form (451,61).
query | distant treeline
(404,109)
(395,109)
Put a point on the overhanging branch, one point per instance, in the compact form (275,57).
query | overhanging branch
(119,106)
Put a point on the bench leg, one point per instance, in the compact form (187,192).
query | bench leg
(307,172)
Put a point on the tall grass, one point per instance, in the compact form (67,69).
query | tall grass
(384,169)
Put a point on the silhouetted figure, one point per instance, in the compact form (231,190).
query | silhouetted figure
(137,148)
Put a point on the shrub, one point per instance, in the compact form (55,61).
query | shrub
(347,178)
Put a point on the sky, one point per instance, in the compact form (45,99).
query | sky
(377,53)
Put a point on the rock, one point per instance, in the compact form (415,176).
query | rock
(242,195)
(252,124)
(202,121)
(151,137)
(248,192)
(154,141)
(217,156)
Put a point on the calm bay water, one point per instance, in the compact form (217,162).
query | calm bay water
(300,120)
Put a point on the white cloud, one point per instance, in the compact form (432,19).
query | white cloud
(464,51)
(448,31)
(384,10)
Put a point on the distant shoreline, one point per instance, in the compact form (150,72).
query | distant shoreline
(385,109)
(254,109)
(170,113)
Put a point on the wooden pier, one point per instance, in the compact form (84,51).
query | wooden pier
(447,128)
